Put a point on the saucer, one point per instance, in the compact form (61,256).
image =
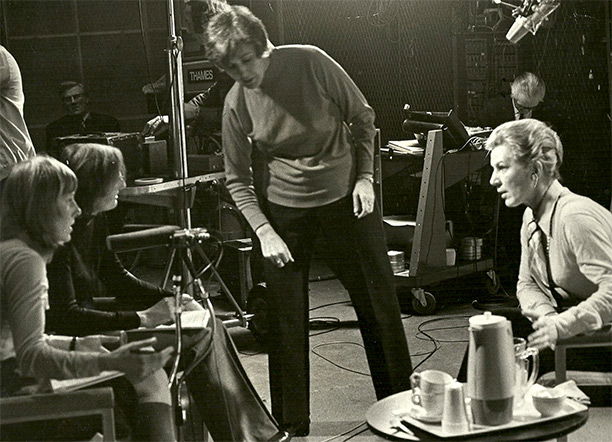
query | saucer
(419,413)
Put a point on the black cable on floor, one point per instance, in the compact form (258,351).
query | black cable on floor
(313,350)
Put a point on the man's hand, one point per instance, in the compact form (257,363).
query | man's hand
(363,198)
(545,334)
(273,248)
(156,126)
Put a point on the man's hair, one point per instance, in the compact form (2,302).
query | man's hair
(532,143)
(30,199)
(65,85)
(528,85)
(96,167)
(231,28)
(214,7)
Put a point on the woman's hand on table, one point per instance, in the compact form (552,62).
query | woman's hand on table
(545,330)
(273,247)
(363,197)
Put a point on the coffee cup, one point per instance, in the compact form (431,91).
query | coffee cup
(428,390)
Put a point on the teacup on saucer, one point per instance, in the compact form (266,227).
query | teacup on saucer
(420,413)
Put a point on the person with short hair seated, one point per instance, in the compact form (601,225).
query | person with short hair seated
(85,269)
(38,211)
(565,280)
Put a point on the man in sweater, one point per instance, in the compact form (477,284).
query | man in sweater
(314,135)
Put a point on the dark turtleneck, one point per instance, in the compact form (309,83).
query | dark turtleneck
(84,269)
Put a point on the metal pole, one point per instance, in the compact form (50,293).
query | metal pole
(177,113)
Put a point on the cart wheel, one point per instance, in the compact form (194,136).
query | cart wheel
(257,304)
(423,303)
(492,282)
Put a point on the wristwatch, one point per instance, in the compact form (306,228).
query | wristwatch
(367,177)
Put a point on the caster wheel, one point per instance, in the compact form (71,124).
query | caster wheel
(423,303)
(257,304)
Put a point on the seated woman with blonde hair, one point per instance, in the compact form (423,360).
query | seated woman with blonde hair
(38,211)
(84,269)
(565,278)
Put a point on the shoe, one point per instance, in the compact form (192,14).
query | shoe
(281,436)
(298,429)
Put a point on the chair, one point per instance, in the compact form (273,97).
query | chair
(50,406)
(599,338)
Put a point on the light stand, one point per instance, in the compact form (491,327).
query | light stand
(179,145)
(177,112)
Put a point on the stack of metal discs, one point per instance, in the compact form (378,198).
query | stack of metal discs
(471,248)
(396,258)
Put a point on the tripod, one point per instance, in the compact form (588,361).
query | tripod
(183,244)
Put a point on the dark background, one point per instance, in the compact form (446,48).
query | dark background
(431,54)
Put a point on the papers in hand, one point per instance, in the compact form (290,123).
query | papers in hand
(407,146)
(190,320)
(66,385)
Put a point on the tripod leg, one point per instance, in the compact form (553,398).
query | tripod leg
(217,276)
(168,268)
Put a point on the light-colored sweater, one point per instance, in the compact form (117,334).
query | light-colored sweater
(15,142)
(313,126)
(23,299)
(580,260)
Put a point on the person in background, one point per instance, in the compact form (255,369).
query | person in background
(78,119)
(39,210)
(315,131)
(198,111)
(15,142)
(84,269)
(527,92)
(565,279)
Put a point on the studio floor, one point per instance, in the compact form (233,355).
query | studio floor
(341,389)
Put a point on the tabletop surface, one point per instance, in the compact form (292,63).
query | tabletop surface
(133,190)
(380,414)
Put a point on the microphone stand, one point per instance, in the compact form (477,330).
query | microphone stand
(177,111)
(179,147)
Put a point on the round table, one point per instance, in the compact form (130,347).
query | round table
(379,418)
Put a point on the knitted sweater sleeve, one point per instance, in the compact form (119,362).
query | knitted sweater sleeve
(25,289)
(357,113)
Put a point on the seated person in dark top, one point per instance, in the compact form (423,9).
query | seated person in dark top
(527,92)
(84,269)
(78,119)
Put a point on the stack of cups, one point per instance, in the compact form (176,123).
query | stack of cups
(454,415)
(471,248)
(396,258)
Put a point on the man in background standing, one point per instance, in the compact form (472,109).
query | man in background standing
(78,118)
